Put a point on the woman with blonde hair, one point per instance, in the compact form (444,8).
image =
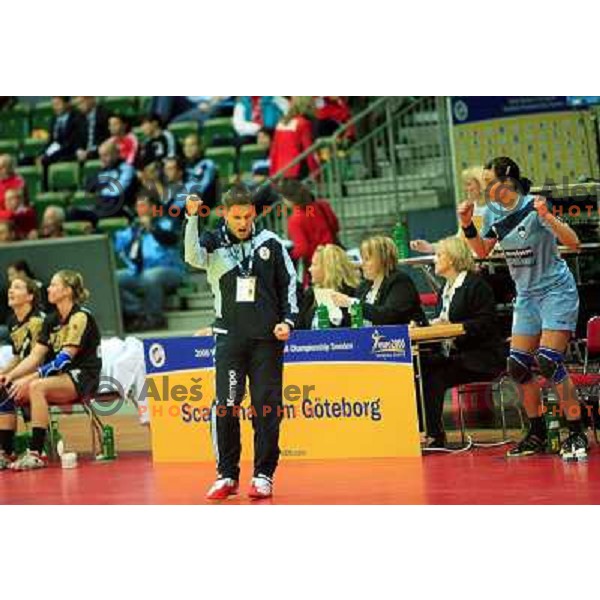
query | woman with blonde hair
(293,135)
(479,355)
(474,191)
(331,269)
(63,365)
(388,295)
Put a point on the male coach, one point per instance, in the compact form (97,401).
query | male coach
(254,285)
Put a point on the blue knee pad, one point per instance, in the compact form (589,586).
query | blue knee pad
(552,364)
(519,366)
(7,405)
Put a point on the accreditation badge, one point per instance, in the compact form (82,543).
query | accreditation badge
(246,289)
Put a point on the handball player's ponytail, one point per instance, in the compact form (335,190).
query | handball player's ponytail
(74,280)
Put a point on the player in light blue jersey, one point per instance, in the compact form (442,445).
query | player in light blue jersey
(547,303)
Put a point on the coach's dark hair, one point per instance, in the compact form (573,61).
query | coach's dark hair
(506,168)
(238,195)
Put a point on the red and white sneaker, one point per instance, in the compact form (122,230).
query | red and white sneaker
(223,489)
(261,488)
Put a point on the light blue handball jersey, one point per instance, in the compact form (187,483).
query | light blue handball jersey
(529,245)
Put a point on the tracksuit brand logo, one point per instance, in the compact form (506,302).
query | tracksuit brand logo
(232,387)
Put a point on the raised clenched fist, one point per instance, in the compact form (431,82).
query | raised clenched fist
(192,204)
(465,212)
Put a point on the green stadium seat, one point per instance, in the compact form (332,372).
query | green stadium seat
(183,129)
(249,154)
(113,224)
(9,147)
(144,104)
(41,115)
(74,228)
(90,169)
(214,129)
(64,176)
(14,123)
(120,105)
(82,198)
(224,159)
(33,180)
(42,201)
(32,148)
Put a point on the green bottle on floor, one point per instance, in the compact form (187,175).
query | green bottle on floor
(552,417)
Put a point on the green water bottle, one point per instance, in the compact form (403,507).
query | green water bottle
(401,238)
(108,443)
(55,438)
(356,315)
(552,417)
(323,317)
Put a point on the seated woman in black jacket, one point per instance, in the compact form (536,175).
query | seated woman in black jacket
(480,354)
(330,269)
(389,296)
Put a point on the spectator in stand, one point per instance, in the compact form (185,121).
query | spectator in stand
(67,134)
(174,206)
(7,232)
(9,180)
(52,225)
(152,180)
(160,143)
(95,127)
(312,224)
(252,113)
(23,217)
(114,185)
(332,112)
(150,249)
(293,136)
(200,172)
(123,138)
(191,108)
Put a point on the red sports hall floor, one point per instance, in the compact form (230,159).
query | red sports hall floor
(478,477)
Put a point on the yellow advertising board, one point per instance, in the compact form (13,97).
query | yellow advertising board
(346,394)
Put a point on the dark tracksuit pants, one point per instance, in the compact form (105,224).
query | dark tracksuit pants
(441,373)
(261,361)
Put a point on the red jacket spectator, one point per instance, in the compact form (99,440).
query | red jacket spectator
(124,140)
(128,147)
(310,226)
(332,113)
(23,217)
(293,135)
(9,180)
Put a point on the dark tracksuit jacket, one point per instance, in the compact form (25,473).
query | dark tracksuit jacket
(245,344)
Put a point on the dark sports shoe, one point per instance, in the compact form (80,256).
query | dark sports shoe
(575,448)
(435,443)
(531,444)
